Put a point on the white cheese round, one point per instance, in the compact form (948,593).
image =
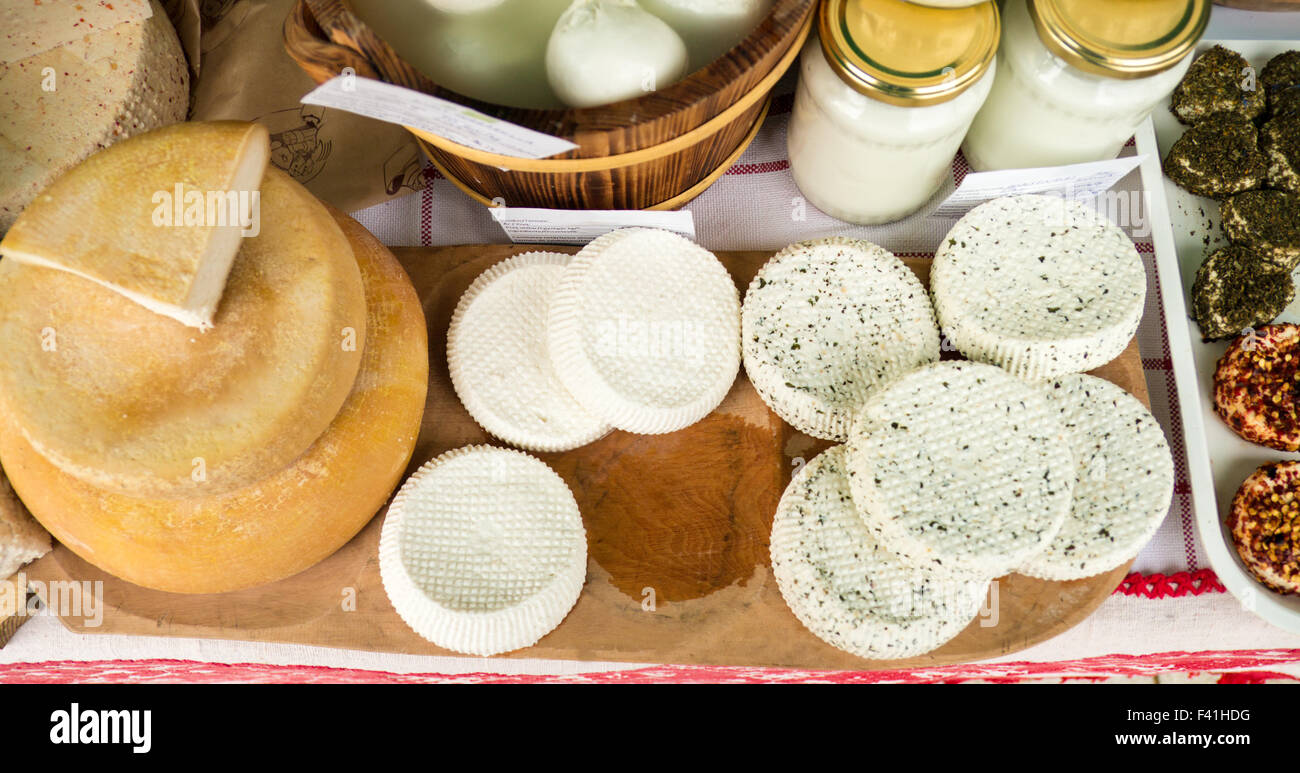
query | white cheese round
(499,365)
(644,330)
(1123,482)
(604,51)
(961,465)
(483,550)
(846,588)
(1039,285)
(824,323)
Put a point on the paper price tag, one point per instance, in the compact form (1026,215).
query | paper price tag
(1073,182)
(460,124)
(577,226)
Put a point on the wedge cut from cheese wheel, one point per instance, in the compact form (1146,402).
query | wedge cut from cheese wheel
(80,88)
(122,218)
(849,590)
(644,330)
(1123,483)
(826,322)
(1039,285)
(483,550)
(498,360)
(134,402)
(291,518)
(961,465)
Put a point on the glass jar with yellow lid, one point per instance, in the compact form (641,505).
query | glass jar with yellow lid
(886,91)
(1077,77)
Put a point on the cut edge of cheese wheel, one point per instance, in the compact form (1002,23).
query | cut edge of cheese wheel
(113,219)
(133,402)
(291,519)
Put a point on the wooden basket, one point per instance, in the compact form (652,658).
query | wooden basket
(656,151)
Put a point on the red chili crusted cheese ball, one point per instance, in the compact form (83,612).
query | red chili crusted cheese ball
(1255,387)
(1265,525)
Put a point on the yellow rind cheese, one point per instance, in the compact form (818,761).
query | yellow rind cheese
(286,522)
(158,217)
(133,402)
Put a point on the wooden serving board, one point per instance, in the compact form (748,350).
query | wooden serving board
(677,529)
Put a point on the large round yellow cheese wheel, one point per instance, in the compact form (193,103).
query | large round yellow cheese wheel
(291,519)
(138,403)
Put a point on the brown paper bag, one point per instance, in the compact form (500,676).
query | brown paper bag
(244,73)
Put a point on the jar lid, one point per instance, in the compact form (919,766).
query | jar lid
(1121,38)
(908,54)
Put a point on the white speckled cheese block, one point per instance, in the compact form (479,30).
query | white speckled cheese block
(961,465)
(848,589)
(98,86)
(1039,285)
(826,322)
(645,330)
(483,550)
(1124,479)
(497,356)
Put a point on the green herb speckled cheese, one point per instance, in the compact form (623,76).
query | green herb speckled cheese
(1038,285)
(846,588)
(961,465)
(824,323)
(1124,479)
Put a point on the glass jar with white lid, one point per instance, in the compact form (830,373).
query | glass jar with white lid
(886,92)
(1076,78)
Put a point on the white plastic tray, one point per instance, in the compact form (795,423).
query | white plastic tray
(1217,459)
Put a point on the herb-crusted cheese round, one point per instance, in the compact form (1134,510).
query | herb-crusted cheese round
(499,364)
(846,588)
(961,465)
(1038,285)
(826,322)
(483,550)
(1124,479)
(644,330)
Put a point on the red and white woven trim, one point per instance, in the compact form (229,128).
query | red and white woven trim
(1177,585)
(1235,666)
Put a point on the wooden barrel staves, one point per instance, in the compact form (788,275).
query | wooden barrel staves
(655,151)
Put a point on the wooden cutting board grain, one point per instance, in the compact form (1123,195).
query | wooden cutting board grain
(677,529)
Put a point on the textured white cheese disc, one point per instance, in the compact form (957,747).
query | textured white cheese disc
(961,465)
(1039,285)
(645,330)
(483,550)
(1124,479)
(496,352)
(826,322)
(846,588)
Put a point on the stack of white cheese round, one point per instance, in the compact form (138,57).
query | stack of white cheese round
(639,331)
(953,473)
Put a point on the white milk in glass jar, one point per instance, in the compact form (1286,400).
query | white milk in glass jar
(886,92)
(1077,77)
